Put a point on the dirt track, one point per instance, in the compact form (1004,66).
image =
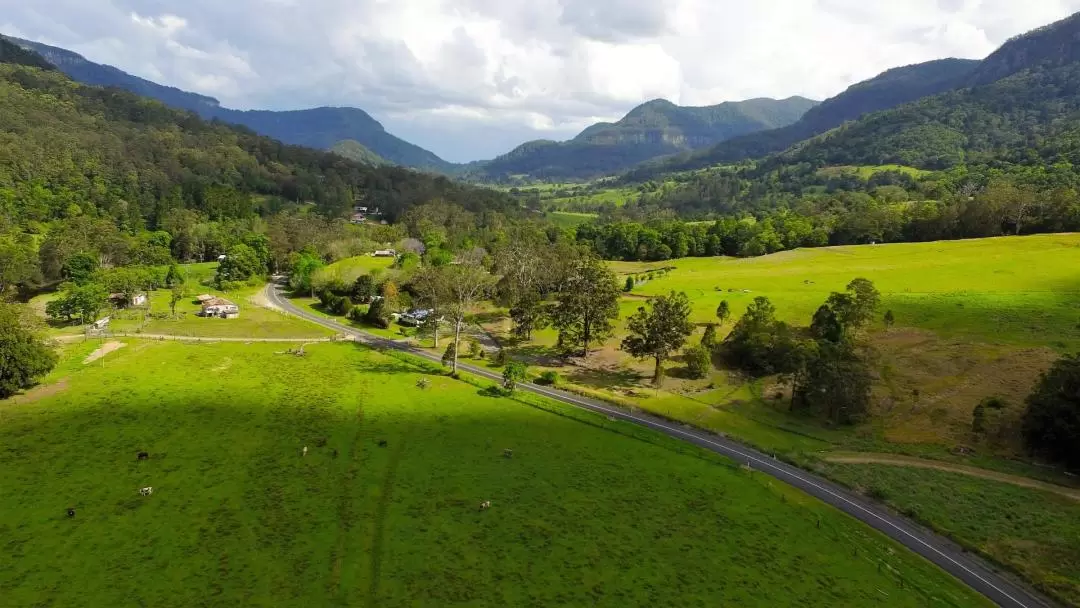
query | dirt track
(920,463)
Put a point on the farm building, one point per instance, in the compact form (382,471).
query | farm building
(385,253)
(415,317)
(204,298)
(121,300)
(220,307)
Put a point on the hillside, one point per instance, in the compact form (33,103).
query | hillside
(71,149)
(1029,116)
(653,129)
(319,128)
(886,90)
(354,150)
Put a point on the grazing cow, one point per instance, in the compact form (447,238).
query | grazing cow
(508,453)
(484,506)
(144,456)
(333,453)
(71,512)
(382,443)
(147,491)
(304,451)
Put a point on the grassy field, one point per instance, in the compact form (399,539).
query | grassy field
(568,219)
(868,171)
(382,511)
(255,320)
(1040,538)
(349,268)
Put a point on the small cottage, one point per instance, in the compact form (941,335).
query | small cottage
(220,307)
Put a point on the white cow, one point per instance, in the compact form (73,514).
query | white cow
(147,491)
(484,506)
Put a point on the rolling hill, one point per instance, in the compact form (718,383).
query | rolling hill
(319,128)
(655,128)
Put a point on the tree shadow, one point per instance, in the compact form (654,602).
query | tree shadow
(605,378)
(542,356)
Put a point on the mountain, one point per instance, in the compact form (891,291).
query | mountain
(72,150)
(354,150)
(655,128)
(1023,106)
(889,89)
(319,128)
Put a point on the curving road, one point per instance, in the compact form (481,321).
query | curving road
(942,552)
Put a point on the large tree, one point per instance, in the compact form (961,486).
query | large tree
(24,357)
(1051,423)
(588,303)
(432,290)
(658,330)
(466,283)
(832,381)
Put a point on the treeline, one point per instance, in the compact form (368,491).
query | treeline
(884,215)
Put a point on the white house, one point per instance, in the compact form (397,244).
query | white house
(385,253)
(220,307)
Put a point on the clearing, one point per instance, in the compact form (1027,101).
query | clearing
(383,508)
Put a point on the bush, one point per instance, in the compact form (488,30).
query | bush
(357,314)
(548,378)
(698,361)
(378,314)
(501,358)
(629,285)
(475,350)
(449,353)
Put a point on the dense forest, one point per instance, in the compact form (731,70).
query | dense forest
(126,179)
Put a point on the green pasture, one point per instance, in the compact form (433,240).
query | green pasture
(256,321)
(868,171)
(383,508)
(569,219)
(1035,533)
(350,268)
(1019,290)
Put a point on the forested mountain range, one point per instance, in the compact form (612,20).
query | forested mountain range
(70,149)
(887,90)
(653,129)
(320,128)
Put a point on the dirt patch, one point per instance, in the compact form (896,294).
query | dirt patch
(41,392)
(260,300)
(920,463)
(105,349)
(929,385)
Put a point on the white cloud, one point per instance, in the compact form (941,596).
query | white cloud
(472,78)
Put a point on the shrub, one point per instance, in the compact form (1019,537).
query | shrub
(448,354)
(698,361)
(378,314)
(548,378)
(501,357)
(475,350)
(629,285)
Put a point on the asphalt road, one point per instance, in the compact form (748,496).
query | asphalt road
(937,549)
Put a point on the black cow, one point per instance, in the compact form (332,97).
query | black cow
(71,512)
(144,456)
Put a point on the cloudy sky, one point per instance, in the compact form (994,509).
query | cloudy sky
(470,79)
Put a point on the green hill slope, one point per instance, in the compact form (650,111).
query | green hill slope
(653,129)
(71,149)
(319,128)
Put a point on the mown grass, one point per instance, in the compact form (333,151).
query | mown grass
(255,321)
(581,515)
(1036,533)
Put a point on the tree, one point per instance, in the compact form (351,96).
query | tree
(18,263)
(709,340)
(867,299)
(588,303)
(304,266)
(1051,424)
(82,301)
(390,295)
(843,314)
(24,356)
(175,297)
(466,283)
(723,312)
(833,381)
(698,361)
(449,355)
(826,325)
(889,320)
(378,315)
(363,289)
(629,285)
(80,267)
(529,315)
(660,330)
(174,276)
(514,373)
(240,264)
(429,285)
(978,419)
(760,344)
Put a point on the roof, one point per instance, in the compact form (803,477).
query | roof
(217,302)
(205,297)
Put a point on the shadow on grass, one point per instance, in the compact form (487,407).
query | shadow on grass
(605,378)
(543,356)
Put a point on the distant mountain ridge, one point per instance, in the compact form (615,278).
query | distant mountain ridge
(320,128)
(655,128)
(889,89)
